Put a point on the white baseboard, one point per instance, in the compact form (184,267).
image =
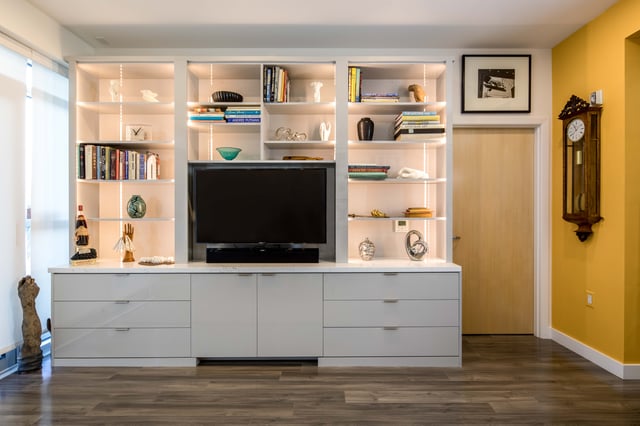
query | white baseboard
(624,371)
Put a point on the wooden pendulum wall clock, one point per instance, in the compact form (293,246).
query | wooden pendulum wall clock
(581,165)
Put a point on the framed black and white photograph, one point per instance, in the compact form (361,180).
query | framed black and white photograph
(496,83)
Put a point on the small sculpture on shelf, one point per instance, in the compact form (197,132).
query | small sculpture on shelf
(149,95)
(417,92)
(417,249)
(317,85)
(325,131)
(84,254)
(125,243)
(30,358)
(286,134)
(114,90)
(366,249)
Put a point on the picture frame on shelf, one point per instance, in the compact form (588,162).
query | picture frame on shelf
(496,83)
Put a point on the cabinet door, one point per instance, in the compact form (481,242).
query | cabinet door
(290,315)
(223,315)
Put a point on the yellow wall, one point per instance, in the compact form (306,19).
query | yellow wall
(607,264)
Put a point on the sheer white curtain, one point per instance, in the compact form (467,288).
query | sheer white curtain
(12,209)
(48,159)
(34,170)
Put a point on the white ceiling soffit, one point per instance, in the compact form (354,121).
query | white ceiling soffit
(329,23)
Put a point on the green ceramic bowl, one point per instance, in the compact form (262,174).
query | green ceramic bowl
(228,152)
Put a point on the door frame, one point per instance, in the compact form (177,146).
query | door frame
(541,216)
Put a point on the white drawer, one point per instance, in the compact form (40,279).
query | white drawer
(121,287)
(378,313)
(121,314)
(121,343)
(377,286)
(410,341)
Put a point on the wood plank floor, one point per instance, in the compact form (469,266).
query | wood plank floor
(503,380)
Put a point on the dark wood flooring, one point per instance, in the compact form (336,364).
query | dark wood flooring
(504,380)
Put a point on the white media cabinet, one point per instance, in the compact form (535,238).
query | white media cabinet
(341,311)
(375,313)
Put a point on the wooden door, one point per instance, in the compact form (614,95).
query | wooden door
(493,228)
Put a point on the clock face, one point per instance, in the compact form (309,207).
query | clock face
(575,130)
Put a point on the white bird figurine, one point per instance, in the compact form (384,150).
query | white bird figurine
(149,95)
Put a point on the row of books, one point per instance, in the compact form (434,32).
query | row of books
(368,171)
(417,125)
(356,94)
(355,84)
(99,162)
(276,84)
(235,114)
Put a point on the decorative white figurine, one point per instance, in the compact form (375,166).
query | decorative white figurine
(317,85)
(325,131)
(114,90)
(149,95)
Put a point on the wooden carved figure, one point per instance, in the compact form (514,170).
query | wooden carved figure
(30,358)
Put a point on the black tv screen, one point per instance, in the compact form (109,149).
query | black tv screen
(260,205)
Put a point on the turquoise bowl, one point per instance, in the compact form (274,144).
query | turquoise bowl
(228,152)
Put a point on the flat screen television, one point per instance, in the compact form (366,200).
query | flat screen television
(259,206)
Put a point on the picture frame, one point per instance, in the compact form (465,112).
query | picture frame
(496,83)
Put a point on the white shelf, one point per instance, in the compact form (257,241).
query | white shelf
(129,144)
(223,126)
(434,142)
(393,107)
(129,219)
(364,218)
(300,144)
(136,181)
(295,108)
(141,107)
(396,181)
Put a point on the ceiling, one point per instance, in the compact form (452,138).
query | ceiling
(327,23)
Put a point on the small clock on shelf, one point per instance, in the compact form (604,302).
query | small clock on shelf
(581,165)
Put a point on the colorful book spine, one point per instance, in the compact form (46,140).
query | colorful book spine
(243,119)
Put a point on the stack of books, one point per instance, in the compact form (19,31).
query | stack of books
(276,84)
(215,115)
(242,114)
(380,97)
(418,212)
(417,125)
(368,171)
(355,84)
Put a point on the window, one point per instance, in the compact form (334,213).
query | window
(33,178)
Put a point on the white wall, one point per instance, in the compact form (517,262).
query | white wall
(27,24)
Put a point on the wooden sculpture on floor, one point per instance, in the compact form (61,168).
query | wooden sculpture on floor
(30,358)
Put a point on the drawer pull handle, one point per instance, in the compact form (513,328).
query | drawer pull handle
(389,327)
(390,274)
(122,275)
(122,329)
(244,275)
(268,275)
(122,302)
(390,300)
